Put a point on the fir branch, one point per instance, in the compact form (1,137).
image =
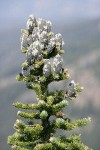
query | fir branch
(41,105)
(33,115)
(65,125)
(44,146)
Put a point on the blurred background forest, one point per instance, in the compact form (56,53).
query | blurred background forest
(79,23)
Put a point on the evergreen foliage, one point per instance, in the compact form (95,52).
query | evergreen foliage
(42,66)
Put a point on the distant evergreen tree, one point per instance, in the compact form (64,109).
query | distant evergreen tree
(42,66)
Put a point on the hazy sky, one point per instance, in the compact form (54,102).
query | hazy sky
(12,12)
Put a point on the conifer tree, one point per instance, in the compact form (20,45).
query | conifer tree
(42,66)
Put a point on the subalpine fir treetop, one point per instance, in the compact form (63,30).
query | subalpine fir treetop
(42,66)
